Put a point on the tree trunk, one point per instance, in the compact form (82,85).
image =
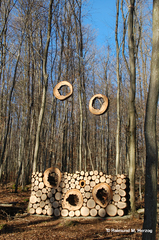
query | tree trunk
(118,93)
(132,117)
(150,217)
(44,89)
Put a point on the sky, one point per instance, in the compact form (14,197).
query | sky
(101,16)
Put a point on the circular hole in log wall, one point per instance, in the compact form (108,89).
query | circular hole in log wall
(52,177)
(73,200)
(102,194)
(82,183)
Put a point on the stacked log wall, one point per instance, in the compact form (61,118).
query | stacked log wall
(50,201)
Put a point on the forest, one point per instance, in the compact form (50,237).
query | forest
(45,42)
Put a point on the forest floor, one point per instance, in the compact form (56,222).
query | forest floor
(20,225)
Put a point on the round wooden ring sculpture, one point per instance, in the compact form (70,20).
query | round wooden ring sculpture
(58,86)
(73,200)
(52,177)
(104,105)
(102,194)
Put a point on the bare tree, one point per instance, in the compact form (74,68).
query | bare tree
(150,218)
(118,92)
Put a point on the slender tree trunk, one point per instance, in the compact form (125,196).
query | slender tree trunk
(41,115)
(118,93)
(150,218)
(132,114)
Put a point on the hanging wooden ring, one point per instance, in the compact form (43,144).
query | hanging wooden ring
(58,86)
(103,107)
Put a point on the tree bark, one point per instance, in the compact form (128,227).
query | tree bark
(150,218)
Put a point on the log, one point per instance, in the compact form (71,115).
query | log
(52,199)
(59,189)
(102,194)
(93,212)
(123,176)
(111,210)
(84,211)
(42,204)
(33,199)
(43,197)
(55,204)
(113,188)
(77,213)
(44,211)
(117,187)
(97,207)
(87,181)
(116,197)
(58,196)
(31,210)
(119,180)
(35,206)
(122,192)
(122,205)
(120,212)
(76,182)
(102,179)
(39,210)
(44,190)
(53,190)
(124,180)
(95,172)
(82,173)
(36,183)
(92,184)
(101,212)
(38,193)
(62,184)
(73,185)
(41,185)
(78,187)
(123,186)
(64,212)
(82,190)
(49,194)
(57,212)
(123,199)
(97,181)
(36,188)
(108,180)
(71,213)
(87,194)
(50,211)
(73,200)
(91,203)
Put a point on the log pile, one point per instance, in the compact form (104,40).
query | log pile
(80,194)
